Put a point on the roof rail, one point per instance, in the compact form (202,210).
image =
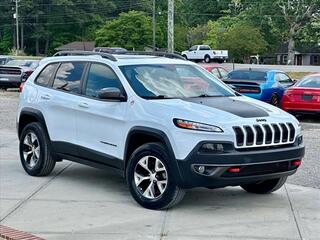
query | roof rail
(154,53)
(85,53)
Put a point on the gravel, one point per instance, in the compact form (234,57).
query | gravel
(307,175)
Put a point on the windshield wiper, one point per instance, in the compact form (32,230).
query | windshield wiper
(207,95)
(156,97)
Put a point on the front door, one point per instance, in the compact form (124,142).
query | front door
(100,123)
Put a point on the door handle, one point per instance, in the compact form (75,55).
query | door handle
(45,97)
(84,105)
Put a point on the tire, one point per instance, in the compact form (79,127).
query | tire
(265,187)
(275,100)
(35,151)
(147,192)
(207,59)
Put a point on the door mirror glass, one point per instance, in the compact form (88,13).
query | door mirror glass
(111,93)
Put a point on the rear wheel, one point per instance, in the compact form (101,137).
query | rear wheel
(265,187)
(150,179)
(207,59)
(35,152)
(275,100)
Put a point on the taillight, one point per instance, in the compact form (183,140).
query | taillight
(26,74)
(21,87)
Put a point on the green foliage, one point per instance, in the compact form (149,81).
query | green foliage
(242,40)
(5,41)
(217,28)
(132,30)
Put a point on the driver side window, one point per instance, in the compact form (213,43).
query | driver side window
(99,77)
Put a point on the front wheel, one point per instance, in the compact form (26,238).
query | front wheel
(150,178)
(265,187)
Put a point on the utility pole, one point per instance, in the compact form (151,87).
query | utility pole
(16,16)
(154,25)
(170,26)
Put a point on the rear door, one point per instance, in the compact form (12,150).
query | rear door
(58,104)
(100,123)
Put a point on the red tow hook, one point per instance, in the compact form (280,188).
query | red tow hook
(296,163)
(234,170)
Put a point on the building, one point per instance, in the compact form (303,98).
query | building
(81,46)
(303,56)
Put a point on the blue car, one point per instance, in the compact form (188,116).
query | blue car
(262,84)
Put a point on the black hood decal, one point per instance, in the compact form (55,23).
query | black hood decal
(236,107)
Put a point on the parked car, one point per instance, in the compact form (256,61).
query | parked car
(14,72)
(205,53)
(4,59)
(216,69)
(113,50)
(137,116)
(304,96)
(262,84)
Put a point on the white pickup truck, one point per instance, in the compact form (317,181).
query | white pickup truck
(205,53)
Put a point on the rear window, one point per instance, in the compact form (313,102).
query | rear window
(312,82)
(45,76)
(248,75)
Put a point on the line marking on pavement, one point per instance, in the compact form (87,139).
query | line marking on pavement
(293,212)
(13,234)
(162,233)
(22,202)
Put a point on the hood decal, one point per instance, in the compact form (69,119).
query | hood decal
(236,107)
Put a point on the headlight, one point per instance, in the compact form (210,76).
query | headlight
(196,126)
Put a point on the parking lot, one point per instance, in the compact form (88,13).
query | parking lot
(79,202)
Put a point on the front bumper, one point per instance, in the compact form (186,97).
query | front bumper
(255,165)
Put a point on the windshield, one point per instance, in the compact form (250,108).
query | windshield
(248,75)
(173,81)
(311,82)
(23,63)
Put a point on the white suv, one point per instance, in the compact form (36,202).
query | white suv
(166,124)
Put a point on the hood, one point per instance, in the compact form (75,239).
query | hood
(219,109)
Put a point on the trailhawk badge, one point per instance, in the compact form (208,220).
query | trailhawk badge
(261,120)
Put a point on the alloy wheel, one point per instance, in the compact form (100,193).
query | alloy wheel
(151,177)
(31,149)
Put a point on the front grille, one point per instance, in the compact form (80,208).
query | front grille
(260,135)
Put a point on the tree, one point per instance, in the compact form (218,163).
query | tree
(132,30)
(242,40)
(297,14)
(217,28)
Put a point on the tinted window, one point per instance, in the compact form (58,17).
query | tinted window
(44,77)
(248,75)
(204,48)
(99,77)
(68,77)
(193,48)
(312,82)
(173,81)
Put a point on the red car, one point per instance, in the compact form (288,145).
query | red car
(304,96)
(216,70)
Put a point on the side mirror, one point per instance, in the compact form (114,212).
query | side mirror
(111,93)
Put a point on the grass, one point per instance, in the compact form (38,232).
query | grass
(297,75)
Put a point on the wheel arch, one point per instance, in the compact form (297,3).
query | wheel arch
(138,136)
(28,115)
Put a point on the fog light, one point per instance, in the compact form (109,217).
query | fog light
(300,140)
(200,169)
